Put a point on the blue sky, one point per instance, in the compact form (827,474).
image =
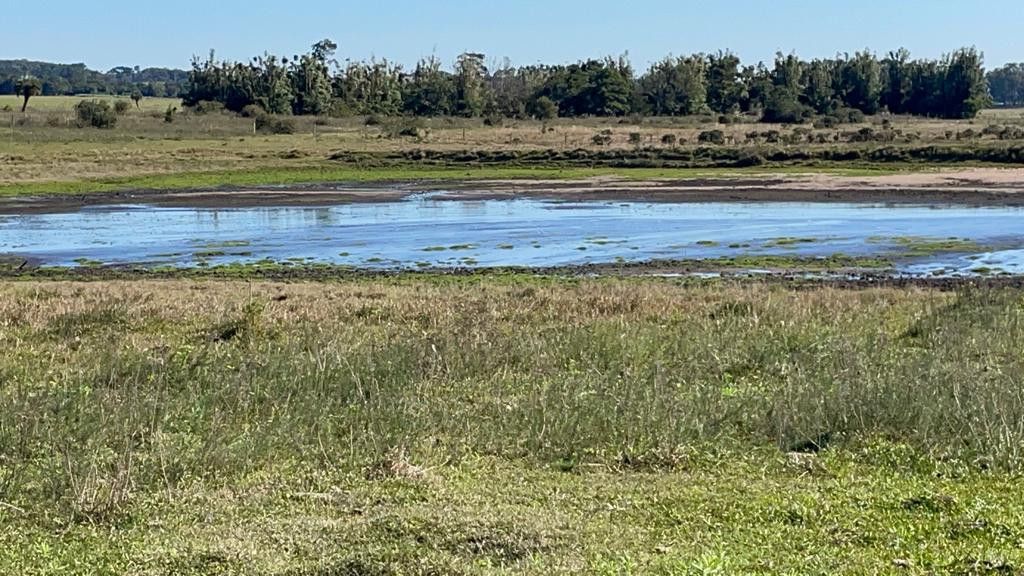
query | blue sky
(106,33)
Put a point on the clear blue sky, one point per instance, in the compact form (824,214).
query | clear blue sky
(108,33)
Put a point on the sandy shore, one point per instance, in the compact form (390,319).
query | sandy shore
(974,186)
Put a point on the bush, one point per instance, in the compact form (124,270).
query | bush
(826,122)
(783,107)
(635,138)
(849,115)
(602,138)
(208,107)
(544,108)
(373,120)
(169,114)
(275,124)
(252,111)
(95,113)
(669,139)
(749,159)
(407,127)
(711,137)
(54,121)
(121,107)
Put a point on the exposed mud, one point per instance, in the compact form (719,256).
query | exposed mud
(666,271)
(974,187)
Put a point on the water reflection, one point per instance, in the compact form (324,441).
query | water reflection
(423,231)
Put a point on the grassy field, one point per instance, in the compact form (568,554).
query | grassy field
(508,424)
(66,104)
(44,151)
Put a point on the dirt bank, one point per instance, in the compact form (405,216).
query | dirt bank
(974,186)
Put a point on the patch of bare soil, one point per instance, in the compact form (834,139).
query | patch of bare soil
(972,186)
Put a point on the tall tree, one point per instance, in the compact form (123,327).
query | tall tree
(965,92)
(470,90)
(725,89)
(859,82)
(311,80)
(430,91)
(675,86)
(898,85)
(819,85)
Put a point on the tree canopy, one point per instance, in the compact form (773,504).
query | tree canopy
(789,89)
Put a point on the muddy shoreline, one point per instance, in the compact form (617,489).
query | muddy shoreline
(852,278)
(969,187)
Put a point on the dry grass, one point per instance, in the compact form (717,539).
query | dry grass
(143,144)
(506,424)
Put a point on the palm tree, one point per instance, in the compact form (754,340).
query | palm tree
(27,87)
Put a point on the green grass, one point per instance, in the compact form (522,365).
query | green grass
(789,241)
(491,425)
(330,173)
(915,246)
(67,103)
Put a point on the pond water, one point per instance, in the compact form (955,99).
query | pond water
(422,231)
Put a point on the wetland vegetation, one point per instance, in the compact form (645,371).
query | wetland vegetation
(197,427)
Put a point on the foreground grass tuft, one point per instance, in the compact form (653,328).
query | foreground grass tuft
(427,426)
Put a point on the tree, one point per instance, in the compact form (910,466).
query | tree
(470,90)
(543,108)
(898,85)
(819,92)
(725,89)
(311,80)
(431,91)
(591,88)
(27,87)
(859,82)
(1006,85)
(137,97)
(965,92)
(675,87)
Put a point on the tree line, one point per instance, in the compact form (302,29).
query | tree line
(1007,85)
(75,79)
(789,90)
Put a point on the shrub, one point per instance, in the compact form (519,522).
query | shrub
(711,137)
(95,113)
(669,139)
(275,124)
(121,107)
(407,127)
(208,107)
(849,115)
(373,120)
(826,122)
(748,159)
(544,108)
(252,111)
(169,114)
(54,121)
(783,107)
(602,138)
(635,138)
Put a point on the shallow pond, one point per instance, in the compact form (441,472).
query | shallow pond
(426,232)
